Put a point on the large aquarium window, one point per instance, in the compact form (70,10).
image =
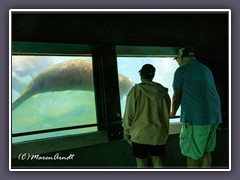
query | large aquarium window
(165,68)
(50,92)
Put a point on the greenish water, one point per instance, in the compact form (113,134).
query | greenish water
(55,110)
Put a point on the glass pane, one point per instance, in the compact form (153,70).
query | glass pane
(60,90)
(165,68)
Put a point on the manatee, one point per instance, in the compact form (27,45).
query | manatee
(68,75)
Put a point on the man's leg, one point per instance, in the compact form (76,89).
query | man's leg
(157,161)
(206,160)
(192,163)
(140,151)
(142,163)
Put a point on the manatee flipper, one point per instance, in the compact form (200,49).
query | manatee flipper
(20,100)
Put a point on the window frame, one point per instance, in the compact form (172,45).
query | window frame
(49,49)
(104,59)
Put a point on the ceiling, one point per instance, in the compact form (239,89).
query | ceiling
(149,29)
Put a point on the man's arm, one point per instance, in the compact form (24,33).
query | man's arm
(176,101)
(129,113)
(168,100)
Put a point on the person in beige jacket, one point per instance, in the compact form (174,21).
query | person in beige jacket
(146,119)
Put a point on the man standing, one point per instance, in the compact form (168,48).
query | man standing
(146,119)
(195,91)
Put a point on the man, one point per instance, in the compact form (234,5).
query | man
(195,91)
(146,118)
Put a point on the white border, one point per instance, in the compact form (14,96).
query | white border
(119,10)
(10,90)
(229,86)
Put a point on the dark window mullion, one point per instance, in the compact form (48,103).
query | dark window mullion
(111,91)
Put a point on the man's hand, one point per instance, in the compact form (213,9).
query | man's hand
(172,115)
(127,134)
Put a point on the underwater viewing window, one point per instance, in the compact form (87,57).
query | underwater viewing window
(52,92)
(165,68)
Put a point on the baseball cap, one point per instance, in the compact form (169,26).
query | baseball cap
(147,70)
(186,52)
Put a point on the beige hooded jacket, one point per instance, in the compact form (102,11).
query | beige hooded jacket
(146,117)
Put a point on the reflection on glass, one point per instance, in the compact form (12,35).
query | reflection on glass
(165,68)
(60,94)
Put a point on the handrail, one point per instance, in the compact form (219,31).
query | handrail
(64,128)
(73,127)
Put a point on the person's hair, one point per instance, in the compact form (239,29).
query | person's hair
(147,76)
(147,71)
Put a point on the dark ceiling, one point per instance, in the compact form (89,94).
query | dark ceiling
(165,29)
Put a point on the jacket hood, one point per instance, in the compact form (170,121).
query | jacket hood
(153,90)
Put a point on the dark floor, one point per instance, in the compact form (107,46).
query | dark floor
(117,154)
